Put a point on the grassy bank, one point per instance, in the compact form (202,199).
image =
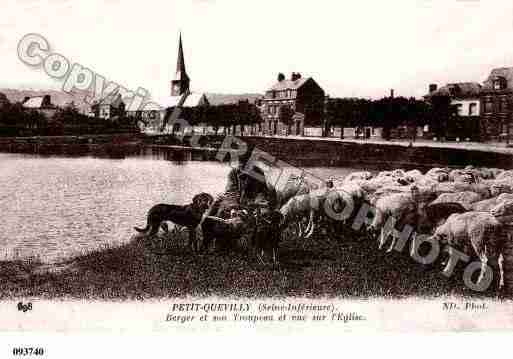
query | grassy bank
(142,269)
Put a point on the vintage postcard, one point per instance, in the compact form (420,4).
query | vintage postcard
(201,166)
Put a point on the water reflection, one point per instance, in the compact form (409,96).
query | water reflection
(58,206)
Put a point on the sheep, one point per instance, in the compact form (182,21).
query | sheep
(465,198)
(375,184)
(437,213)
(505,176)
(464,176)
(498,187)
(414,174)
(503,211)
(402,207)
(438,174)
(454,187)
(484,205)
(341,206)
(489,204)
(477,234)
(357,176)
(487,173)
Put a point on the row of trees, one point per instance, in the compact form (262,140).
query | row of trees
(388,113)
(15,120)
(391,112)
(226,116)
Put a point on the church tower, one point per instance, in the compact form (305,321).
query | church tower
(180,85)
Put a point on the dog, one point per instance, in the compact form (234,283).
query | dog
(223,231)
(268,234)
(189,216)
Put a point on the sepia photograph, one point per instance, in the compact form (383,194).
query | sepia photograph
(209,165)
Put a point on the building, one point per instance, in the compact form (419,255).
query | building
(465,96)
(181,84)
(42,104)
(465,99)
(109,108)
(292,105)
(497,100)
(180,96)
(364,132)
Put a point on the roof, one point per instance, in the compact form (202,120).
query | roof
(505,72)
(289,84)
(38,102)
(113,100)
(192,100)
(34,102)
(458,90)
(215,99)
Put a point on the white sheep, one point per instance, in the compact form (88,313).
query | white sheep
(477,234)
(402,207)
(465,198)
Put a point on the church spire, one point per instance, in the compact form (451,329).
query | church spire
(180,84)
(180,64)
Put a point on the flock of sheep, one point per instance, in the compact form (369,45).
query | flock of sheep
(469,209)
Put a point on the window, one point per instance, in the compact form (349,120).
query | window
(499,83)
(488,106)
(459,109)
(472,109)
(503,104)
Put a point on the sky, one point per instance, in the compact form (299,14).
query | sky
(351,48)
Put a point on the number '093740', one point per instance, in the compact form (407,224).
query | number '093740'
(27,351)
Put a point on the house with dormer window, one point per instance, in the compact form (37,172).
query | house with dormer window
(292,106)
(465,98)
(41,104)
(497,100)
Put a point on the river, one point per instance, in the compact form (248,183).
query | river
(57,207)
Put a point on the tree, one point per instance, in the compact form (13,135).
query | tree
(286,114)
(347,112)
(441,114)
(4,101)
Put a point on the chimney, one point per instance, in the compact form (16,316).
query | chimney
(391,93)
(433,88)
(295,76)
(46,101)
(281,77)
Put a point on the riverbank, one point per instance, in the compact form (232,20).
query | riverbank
(111,145)
(298,151)
(348,267)
(301,151)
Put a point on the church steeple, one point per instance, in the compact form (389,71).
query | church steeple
(180,85)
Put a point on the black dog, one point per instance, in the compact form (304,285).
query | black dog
(225,231)
(187,216)
(268,234)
